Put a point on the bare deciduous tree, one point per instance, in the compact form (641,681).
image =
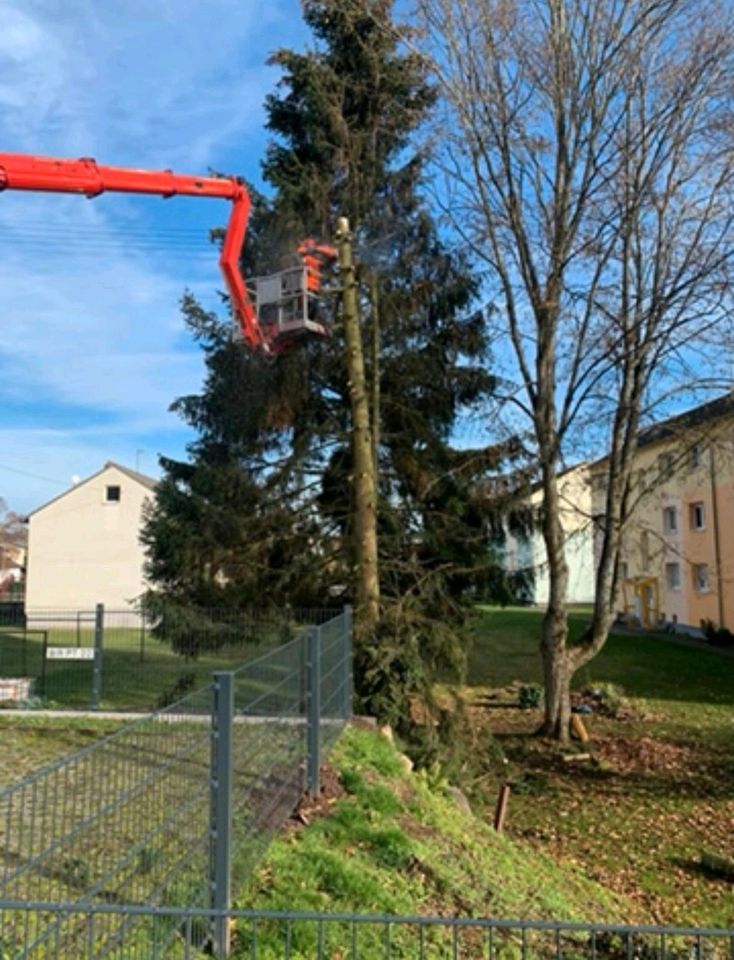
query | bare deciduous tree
(13,535)
(586,148)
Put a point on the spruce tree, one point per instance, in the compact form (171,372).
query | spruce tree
(261,511)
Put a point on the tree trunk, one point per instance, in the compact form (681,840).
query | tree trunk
(557,673)
(375,317)
(556,662)
(364,525)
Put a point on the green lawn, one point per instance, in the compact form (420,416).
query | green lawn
(29,743)
(136,667)
(660,787)
(506,648)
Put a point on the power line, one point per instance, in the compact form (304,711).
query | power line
(33,476)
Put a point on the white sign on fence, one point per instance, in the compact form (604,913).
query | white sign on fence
(70,653)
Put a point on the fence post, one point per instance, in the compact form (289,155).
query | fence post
(313,716)
(97,662)
(220,831)
(348,652)
(303,672)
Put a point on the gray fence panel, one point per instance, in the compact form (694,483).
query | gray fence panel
(172,810)
(182,933)
(130,661)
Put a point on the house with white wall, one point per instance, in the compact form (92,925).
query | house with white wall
(529,554)
(84,545)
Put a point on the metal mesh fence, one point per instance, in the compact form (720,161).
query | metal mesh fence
(184,934)
(335,683)
(171,810)
(268,755)
(127,660)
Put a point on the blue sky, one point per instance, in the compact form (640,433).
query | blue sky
(94,349)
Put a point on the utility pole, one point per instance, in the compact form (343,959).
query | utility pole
(364,484)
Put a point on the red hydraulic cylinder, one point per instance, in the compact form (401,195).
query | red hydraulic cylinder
(88,178)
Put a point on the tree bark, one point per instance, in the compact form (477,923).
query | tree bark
(375,318)
(557,680)
(556,664)
(364,520)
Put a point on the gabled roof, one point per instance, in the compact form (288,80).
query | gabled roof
(146,481)
(141,478)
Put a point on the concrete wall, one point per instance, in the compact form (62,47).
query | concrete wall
(83,549)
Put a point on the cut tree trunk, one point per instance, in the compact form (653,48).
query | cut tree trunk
(364,483)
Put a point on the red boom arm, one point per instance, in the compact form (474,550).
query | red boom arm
(24,172)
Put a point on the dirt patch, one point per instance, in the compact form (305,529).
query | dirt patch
(506,720)
(645,755)
(313,808)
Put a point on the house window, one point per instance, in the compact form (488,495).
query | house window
(701,577)
(645,549)
(696,455)
(670,520)
(665,466)
(672,576)
(698,517)
(112,494)
(624,570)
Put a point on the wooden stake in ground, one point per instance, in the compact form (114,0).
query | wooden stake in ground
(503,802)
(364,519)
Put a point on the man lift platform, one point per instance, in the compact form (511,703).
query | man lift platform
(272,313)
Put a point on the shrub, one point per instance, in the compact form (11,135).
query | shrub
(717,636)
(530,696)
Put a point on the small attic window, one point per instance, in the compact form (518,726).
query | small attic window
(112,494)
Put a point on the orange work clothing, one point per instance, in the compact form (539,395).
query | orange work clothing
(315,256)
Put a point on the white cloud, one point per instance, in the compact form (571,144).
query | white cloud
(170,83)
(90,312)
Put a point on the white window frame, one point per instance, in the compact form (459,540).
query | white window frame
(696,509)
(701,585)
(668,514)
(673,583)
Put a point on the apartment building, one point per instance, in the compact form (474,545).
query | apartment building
(677,561)
(528,553)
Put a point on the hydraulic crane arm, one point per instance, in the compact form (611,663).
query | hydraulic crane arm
(90,179)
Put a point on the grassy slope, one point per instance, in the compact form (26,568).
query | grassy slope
(663,790)
(395,843)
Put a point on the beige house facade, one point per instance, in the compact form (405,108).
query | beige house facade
(84,546)
(677,558)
